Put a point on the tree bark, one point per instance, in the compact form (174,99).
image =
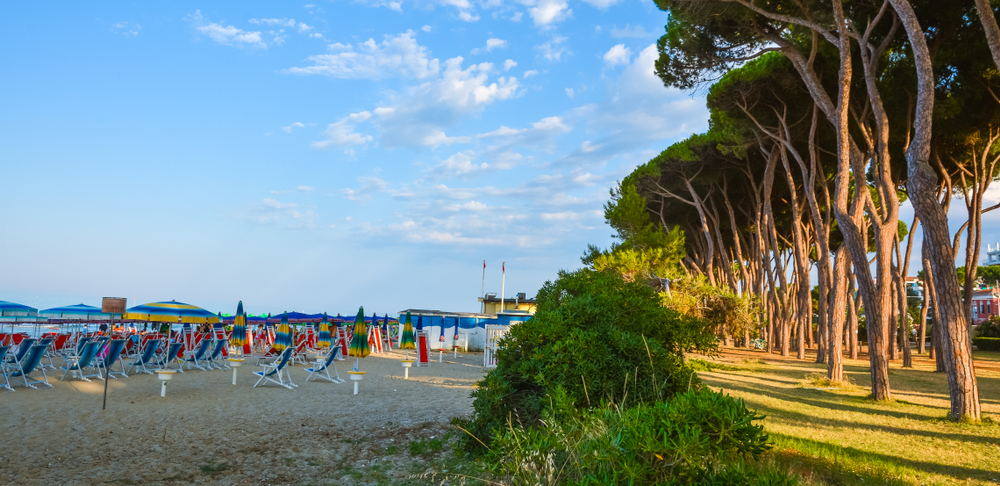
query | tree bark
(838,304)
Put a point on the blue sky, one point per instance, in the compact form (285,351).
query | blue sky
(321,156)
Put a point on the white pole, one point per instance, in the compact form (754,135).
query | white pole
(503,284)
(234,376)
(163,388)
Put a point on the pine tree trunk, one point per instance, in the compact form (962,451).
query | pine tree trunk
(838,304)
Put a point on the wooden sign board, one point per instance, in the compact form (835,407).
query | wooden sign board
(113,305)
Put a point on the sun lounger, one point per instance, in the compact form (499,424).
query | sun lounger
(172,355)
(47,342)
(31,364)
(323,370)
(299,354)
(195,359)
(114,355)
(215,360)
(3,367)
(80,363)
(147,357)
(23,348)
(272,371)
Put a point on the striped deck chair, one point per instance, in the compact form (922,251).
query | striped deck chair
(196,358)
(272,371)
(114,355)
(80,363)
(323,370)
(30,364)
(216,360)
(147,357)
(172,355)
(3,367)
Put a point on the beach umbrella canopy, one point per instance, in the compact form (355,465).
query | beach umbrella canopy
(324,333)
(13,312)
(239,336)
(76,312)
(359,342)
(283,338)
(408,341)
(172,311)
(420,323)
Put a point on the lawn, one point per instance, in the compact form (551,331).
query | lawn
(838,436)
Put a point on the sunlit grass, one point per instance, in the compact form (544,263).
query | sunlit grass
(836,435)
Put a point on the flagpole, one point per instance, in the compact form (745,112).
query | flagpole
(503,284)
(482,292)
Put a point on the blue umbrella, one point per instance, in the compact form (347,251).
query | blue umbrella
(79,311)
(456,329)
(420,323)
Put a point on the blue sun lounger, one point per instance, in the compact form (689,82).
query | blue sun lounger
(147,357)
(114,355)
(30,364)
(3,367)
(272,371)
(172,355)
(323,370)
(80,363)
(215,360)
(198,356)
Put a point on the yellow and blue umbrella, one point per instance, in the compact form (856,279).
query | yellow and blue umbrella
(324,333)
(239,335)
(359,342)
(171,312)
(283,339)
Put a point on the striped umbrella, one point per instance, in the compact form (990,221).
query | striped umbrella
(324,333)
(170,312)
(385,327)
(239,336)
(408,341)
(283,338)
(359,342)
(76,312)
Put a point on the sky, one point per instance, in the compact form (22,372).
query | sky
(319,156)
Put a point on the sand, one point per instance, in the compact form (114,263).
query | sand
(207,431)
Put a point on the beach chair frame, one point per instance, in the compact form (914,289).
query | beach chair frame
(82,362)
(115,347)
(147,356)
(196,358)
(323,370)
(215,360)
(272,370)
(172,355)
(32,362)
(3,367)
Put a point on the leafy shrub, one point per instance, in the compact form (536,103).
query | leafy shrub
(595,339)
(989,328)
(987,343)
(697,437)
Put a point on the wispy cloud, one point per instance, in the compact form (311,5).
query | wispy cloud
(396,55)
(554,49)
(226,34)
(629,31)
(491,44)
(369,186)
(617,55)
(127,28)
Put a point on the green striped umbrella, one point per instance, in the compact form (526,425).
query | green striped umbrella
(359,342)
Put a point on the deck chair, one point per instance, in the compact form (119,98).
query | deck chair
(171,355)
(114,355)
(269,354)
(299,354)
(3,367)
(80,344)
(323,370)
(196,358)
(22,349)
(272,371)
(147,357)
(30,364)
(47,342)
(80,363)
(215,360)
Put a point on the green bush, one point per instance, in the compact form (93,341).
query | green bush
(596,339)
(989,328)
(987,343)
(697,437)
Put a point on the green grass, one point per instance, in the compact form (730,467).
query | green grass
(838,436)
(213,468)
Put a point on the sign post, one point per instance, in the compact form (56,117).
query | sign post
(111,305)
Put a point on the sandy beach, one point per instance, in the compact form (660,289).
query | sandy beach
(207,431)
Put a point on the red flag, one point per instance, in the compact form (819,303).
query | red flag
(503,267)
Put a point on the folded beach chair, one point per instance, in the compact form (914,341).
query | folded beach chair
(172,354)
(30,364)
(196,358)
(114,355)
(80,363)
(3,367)
(272,371)
(323,370)
(215,360)
(147,357)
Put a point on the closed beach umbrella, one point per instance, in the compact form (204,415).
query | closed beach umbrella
(420,323)
(283,338)
(359,342)
(172,311)
(456,329)
(239,336)
(408,341)
(324,333)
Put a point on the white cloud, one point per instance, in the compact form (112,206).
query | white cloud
(304,188)
(569,92)
(276,204)
(528,74)
(127,28)
(462,166)
(517,16)
(553,50)
(274,22)
(588,147)
(341,133)
(426,28)
(618,54)
(289,128)
(492,43)
(369,186)
(398,55)
(629,31)
(438,138)
(547,12)
(467,16)
(301,188)
(571,215)
(601,3)
(226,34)
(469,206)
(509,63)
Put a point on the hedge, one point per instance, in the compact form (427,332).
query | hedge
(987,343)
